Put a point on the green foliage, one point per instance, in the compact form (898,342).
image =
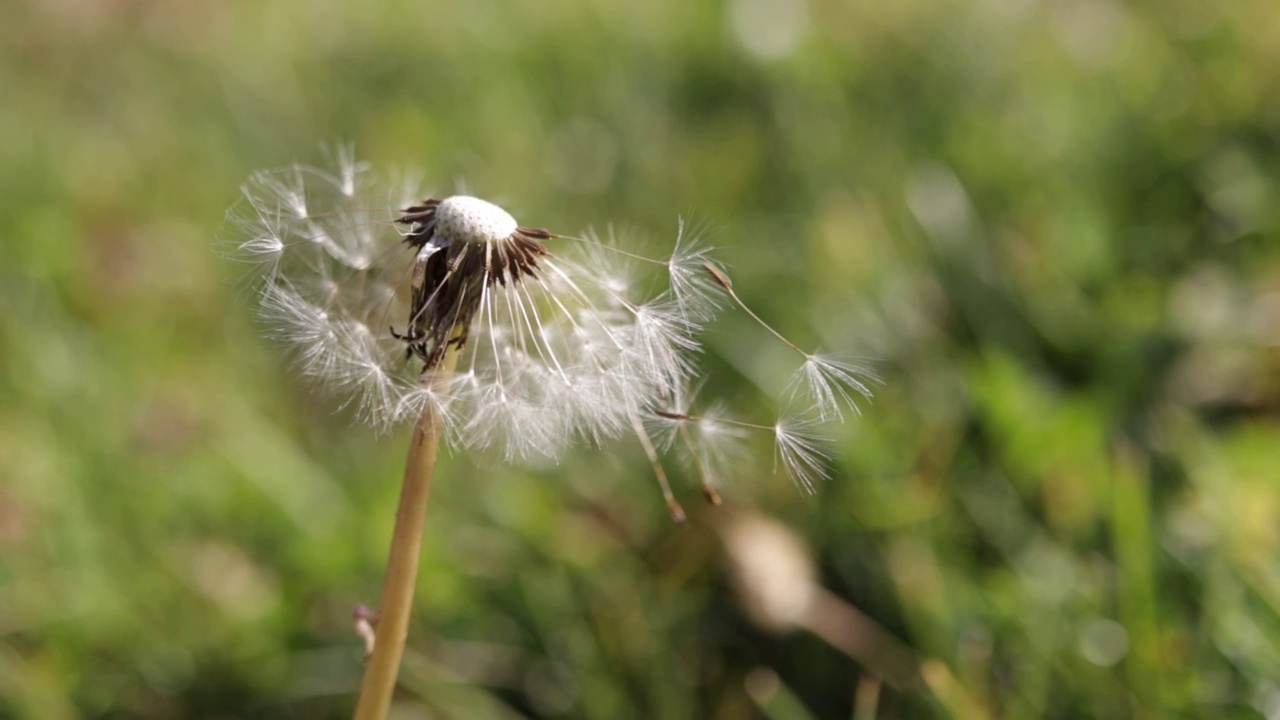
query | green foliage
(1054,223)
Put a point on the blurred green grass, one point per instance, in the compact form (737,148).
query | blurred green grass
(1055,223)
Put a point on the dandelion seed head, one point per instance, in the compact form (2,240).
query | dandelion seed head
(559,340)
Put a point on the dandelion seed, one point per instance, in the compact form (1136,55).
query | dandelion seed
(714,444)
(829,381)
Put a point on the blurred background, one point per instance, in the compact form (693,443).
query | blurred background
(1053,221)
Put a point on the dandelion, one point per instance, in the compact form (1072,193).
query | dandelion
(370,288)
(493,334)
(497,336)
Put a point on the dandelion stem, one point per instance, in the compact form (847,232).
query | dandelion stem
(392,627)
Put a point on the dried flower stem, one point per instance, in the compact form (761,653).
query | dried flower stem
(857,635)
(392,627)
